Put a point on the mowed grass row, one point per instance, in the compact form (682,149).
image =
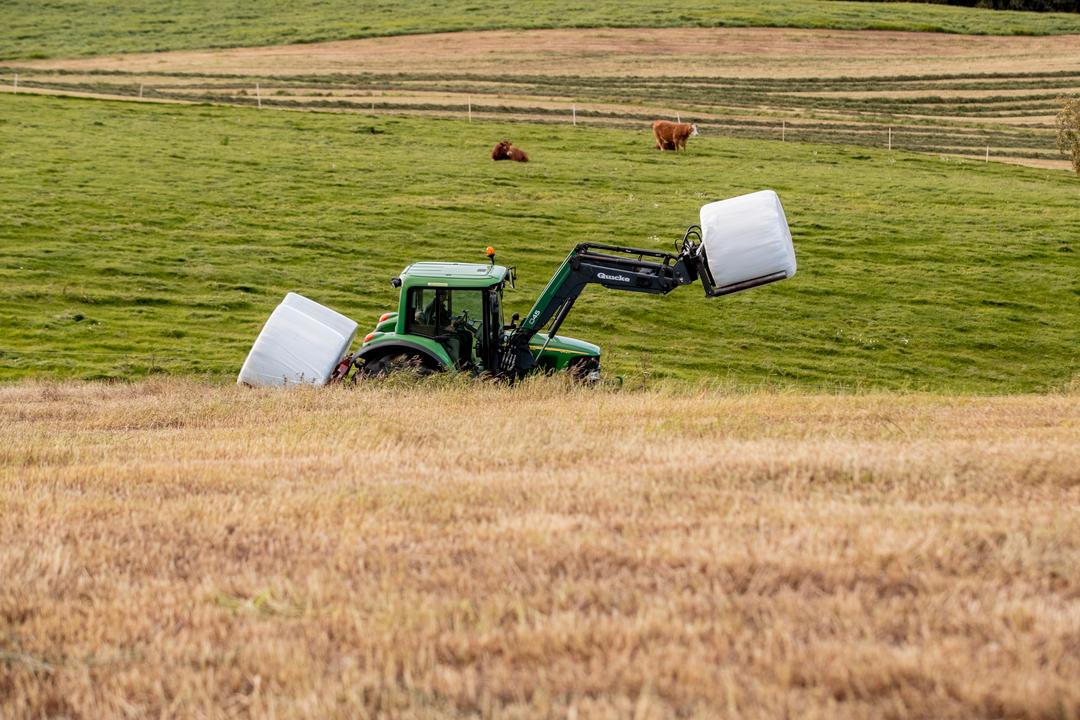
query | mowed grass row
(1006,141)
(940,119)
(140,239)
(93,27)
(459,551)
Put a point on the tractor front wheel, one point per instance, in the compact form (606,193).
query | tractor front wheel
(585,370)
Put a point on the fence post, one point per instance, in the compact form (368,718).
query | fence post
(15,88)
(783,131)
(987,154)
(140,91)
(890,139)
(258,95)
(678,118)
(470,108)
(573,109)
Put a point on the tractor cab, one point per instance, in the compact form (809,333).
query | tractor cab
(458,306)
(449,316)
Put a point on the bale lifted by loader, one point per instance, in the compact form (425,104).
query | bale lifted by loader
(450,317)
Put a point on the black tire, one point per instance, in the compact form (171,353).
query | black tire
(395,362)
(585,370)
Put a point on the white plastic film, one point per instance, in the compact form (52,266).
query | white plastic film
(747,241)
(302,342)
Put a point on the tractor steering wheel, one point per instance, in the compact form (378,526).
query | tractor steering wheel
(467,321)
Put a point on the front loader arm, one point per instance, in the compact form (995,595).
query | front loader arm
(612,266)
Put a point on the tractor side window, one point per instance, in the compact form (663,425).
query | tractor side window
(427,311)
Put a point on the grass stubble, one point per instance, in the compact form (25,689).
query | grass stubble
(171,548)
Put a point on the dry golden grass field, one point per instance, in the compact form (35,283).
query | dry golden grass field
(177,549)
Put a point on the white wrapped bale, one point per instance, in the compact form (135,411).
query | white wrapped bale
(302,342)
(746,242)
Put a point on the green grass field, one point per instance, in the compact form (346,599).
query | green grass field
(142,239)
(90,27)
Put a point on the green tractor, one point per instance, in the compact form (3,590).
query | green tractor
(450,315)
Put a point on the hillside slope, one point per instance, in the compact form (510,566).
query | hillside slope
(960,95)
(140,239)
(93,27)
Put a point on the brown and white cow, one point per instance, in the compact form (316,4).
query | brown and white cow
(672,136)
(504,150)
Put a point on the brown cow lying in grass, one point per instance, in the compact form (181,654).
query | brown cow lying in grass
(672,136)
(505,151)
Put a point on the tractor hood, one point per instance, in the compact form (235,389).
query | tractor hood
(563,345)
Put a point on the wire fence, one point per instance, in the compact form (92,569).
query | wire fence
(1031,140)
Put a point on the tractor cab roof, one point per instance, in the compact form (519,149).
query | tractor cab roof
(448,274)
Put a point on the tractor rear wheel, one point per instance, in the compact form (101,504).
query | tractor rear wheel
(395,363)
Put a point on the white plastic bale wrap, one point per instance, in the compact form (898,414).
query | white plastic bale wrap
(302,342)
(747,241)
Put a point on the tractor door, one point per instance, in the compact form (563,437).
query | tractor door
(467,322)
(455,318)
(466,328)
